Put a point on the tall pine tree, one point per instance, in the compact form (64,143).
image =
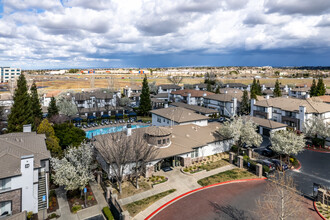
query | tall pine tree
(277,90)
(145,101)
(258,88)
(320,87)
(245,104)
(36,106)
(254,89)
(21,111)
(313,91)
(209,87)
(52,108)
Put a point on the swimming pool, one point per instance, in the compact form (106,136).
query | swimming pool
(108,130)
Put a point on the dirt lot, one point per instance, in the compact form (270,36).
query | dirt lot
(77,82)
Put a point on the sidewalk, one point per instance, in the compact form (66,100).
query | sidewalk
(177,180)
(85,213)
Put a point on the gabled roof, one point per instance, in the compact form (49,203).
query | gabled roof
(169,86)
(292,104)
(15,145)
(234,85)
(266,122)
(225,97)
(178,114)
(161,96)
(195,108)
(192,92)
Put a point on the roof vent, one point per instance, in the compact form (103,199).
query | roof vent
(187,135)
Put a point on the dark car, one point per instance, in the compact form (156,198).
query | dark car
(278,164)
(267,163)
(264,152)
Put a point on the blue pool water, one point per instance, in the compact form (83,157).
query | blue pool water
(108,130)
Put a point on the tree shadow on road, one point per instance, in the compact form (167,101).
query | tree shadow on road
(230,212)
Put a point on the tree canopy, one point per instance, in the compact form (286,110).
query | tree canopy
(313,90)
(52,141)
(21,111)
(36,106)
(320,87)
(52,108)
(287,142)
(277,90)
(145,101)
(65,106)
(69,135)
(244,108)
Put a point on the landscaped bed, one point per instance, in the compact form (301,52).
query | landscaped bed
(128,189)
(234,174)
(207,164)
(155,180)
(138,206)
(53,203)
(77,201)
(323,209)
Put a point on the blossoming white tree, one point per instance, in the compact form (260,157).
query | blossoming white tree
(316,127)
(287,142)
(242,131)
(74,171)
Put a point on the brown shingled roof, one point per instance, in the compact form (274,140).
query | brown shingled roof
(292,104)
(266,122)
(158,131)
(15,145)
(179,114)
(193,92)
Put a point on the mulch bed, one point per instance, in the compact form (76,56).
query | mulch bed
(53,203)
(74,198)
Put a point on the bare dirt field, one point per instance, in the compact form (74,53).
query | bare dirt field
(78,82)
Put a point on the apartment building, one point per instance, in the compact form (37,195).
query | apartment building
(189,96)
(96,103)
(177,116)
(291,111)
(8,73)
(300,93)
(24,173)
(168,88)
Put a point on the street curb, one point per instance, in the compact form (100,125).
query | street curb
(314,203)
(195,190)
(320,151)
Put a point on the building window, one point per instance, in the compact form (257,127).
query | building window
(164,141)
(5,208)
(164,120)
(168,140)
(159,142)
(194,154)
(5,184)
(159,119)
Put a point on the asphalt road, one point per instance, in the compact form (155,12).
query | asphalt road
(314,169)
(225,202)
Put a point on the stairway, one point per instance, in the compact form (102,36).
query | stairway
(41,192)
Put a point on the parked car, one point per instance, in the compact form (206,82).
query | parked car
(264,151)
(267,163)
(278,164)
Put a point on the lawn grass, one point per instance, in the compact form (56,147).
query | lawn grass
(234,174)
(323,209)
(128,189)
(144,118)
(214,165)
(138,206)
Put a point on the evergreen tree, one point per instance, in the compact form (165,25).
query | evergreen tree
(217,91)
(52,141)
(245,104)
(320,87)
(36,106)
(277,91)
(313,91)
(52,108)
(209,87)
(21,111)
(145,101)
(258,88)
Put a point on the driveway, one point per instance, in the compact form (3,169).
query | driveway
(314,169)
(229,201)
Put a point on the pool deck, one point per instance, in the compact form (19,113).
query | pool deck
(113,125)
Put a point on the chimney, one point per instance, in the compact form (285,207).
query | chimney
(67,93)
(204,94)
(196,87)
(267,96)
(129,130)
(307,96)
(226,92)
(253,102)
(27,128)
(227,85)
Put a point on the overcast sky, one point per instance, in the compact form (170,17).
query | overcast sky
(154,33)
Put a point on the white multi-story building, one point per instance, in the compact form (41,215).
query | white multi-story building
(189,96)
(7,73)
(177,116)
(24,173)
(291,111)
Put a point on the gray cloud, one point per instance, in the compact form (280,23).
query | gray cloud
(304,7)
(159,28)
(255,19)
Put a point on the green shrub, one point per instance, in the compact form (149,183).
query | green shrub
(234,148)
(266,169)
(53,215)
(52,193)
(246,157)
(107,213)
(90,198)
(76,208)
(185,170)
(29,215)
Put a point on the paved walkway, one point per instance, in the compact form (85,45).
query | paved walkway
(85,213)
(176,180)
